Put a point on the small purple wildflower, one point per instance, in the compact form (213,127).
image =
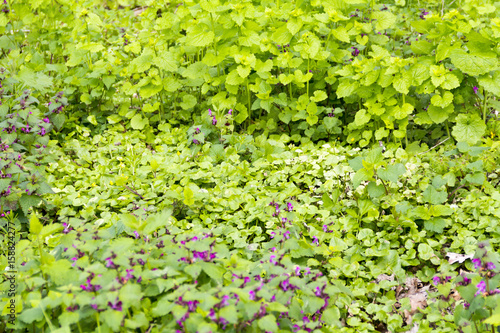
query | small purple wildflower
(490,266)
(315,240)
(210,112)
(251,295)
(475,89)
(230,112)
(436,280)
(481,287)
(289,206)
(477,263)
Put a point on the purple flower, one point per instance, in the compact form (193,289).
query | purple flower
(436,280)
(272,259)
(477,263)
(46,120)
(289,206)
(481,287)
(273,234)
(325,228)
(251,295)
(475,89)
(490,266)
(230,112)
(136,234)
(196,142)
(209,112)
(297,270)
(355,52)
(315,240)
(116,306)
(287,234)
(214,121)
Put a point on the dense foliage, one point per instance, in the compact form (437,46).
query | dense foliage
(204,166)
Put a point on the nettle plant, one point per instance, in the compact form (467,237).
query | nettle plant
(362,72)
(25,146)
(469,302)
(142,274)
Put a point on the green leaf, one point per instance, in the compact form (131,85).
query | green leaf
(402,82)
(439,115)
(319,95)
(425,251)
(138,123)
(392,173)
(435,224)
(200,35)
(442,101)
(166,61)
(213,271)
(28,201)
(474,63)
(229,313)
(113,318)
(346,88)
(188,196)
(35,225)
(188,102)
(312,120)
(362,117)
(374,190)
(341,34)
(469,128)
(282,35)
(434,197)
(268,323)
(384,20)
(31,315)
(491,83)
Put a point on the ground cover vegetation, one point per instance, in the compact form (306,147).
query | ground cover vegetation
(291,166)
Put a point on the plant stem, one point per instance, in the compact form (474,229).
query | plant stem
(484,106)
(248,101)
(306,74)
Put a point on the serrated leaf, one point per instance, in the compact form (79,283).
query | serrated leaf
(435,224)
(319,95)
(35,225)
(166,61)
(469,128)
(474,63)
(432,196)
(392,172)
(341,34)
(28,201)
(384,20)
(442,101)
(200,35)
(268,323)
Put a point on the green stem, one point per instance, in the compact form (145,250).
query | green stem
(306,74)
(98,324)
(484,105)
(248,101)
(448,129)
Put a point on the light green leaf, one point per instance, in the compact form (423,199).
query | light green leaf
(319,95)
(442,101)
(474,63)
(362,117)
(268,323)
(425,251)
(35,225)
(138,123)
(188,196)
(469,128)
(384,20)
(166,61)
(341,34)
(431,195)
(200,35)
(436,224)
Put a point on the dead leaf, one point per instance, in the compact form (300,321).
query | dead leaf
(456,257)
